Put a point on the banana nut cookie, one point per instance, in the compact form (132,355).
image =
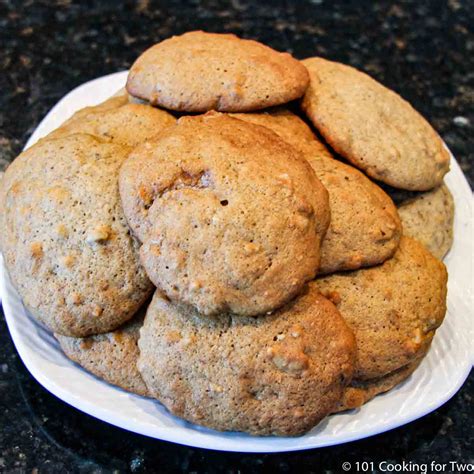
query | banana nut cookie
(359,392)
(394,309)
(65,239)
(111,356)
(429,218)
(373,127)
(118,121)
(198,72)
(231,217)
(278,374)
(284,123)
(365,228)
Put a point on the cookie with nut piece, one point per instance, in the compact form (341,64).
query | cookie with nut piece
(359,392)
(231,217)
(287,125)
(117,120)
(278,374)
(286,285)
(65,239)
(394,309)
(199,71)
(365,228)
(373,127)
(429,217)
(111,356)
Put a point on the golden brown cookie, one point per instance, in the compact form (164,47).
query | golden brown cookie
(357,393)
(118,121)
(394,309)
(279,374)
(285,124)
(111,356)
(230,216)
(65,239)
(429,218)
(373,127)
(365,228)
(199,71)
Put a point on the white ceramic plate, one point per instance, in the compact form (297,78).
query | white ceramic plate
(437,379)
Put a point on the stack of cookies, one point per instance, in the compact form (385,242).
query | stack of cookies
(220,235)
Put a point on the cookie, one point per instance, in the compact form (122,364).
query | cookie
(279,374)
(284,123)
(365,228)
(65,239)
(111,356)
(118,121)
(429,218)
(357,393)
(394,309)
(373,127)
(398,196)
(198,72)
(230,216)
(130,98)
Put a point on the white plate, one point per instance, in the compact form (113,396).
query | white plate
(437,379)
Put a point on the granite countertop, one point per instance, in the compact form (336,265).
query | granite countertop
(422,49)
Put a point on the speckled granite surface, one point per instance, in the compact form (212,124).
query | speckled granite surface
(424,50)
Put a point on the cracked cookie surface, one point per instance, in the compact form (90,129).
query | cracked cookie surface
(226,223)
(278,374)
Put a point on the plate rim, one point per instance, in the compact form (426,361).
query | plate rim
(166,432)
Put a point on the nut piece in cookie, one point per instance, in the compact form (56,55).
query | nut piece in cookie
(65,239)
(278,374)
(198,72)
(231,217)
(394,309)
(117,120)
(373,127)
(111,356)
(428,217)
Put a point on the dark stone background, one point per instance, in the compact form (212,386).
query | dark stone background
(422,49)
